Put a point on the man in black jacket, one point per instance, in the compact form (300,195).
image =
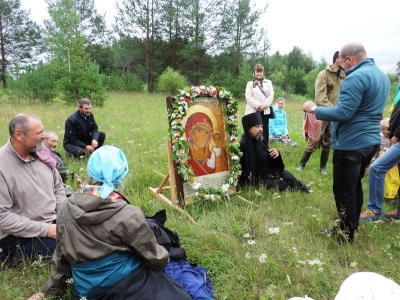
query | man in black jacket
(81,131)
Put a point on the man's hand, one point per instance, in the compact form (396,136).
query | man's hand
(89,148)
(307,106)
(273,153)
(52,232)
(94,143)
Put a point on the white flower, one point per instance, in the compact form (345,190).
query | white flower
(302,262)
(212,197)
(314,262)
(288,223)
(196,185)
(247,255)
(70,280)
(251,242)
(353,264)
(235,157)
(273,230)
(246,235)
(257,193)
(225,187)
(262,258)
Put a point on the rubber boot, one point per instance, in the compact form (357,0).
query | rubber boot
(304,160)
(323,161)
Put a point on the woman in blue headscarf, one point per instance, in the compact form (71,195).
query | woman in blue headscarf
(105,244)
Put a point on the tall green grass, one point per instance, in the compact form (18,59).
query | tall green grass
(270,249)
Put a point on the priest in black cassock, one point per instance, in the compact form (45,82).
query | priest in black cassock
(262,165)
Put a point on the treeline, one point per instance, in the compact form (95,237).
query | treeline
(153,45)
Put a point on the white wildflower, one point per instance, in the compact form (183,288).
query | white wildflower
(314,262)
(247,255)
(353,264)
(251,242)
(246,235)
(262,258)
(273,230)
(70,280)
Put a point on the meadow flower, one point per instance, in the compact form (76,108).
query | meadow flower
(314,262)
(247,255)
(273,230)
(262,258)
(251,242)
(69,280)
(246,235)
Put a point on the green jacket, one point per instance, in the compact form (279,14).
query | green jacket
(327,86)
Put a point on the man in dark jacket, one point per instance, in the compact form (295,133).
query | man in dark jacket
(260,164)
(81,131)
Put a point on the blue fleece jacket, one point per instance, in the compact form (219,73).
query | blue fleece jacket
(356,116)
(278,125)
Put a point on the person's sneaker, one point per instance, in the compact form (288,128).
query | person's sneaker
(392,216)
(370,216)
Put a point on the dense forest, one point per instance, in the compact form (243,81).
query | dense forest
(151,42)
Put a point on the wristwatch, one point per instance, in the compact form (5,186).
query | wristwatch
(313,109)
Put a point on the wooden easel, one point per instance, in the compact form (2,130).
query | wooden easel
(175,186)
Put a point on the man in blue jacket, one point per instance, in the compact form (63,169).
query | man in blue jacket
(355,130)
(81,131)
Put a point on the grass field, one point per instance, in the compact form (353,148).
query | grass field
(270,249)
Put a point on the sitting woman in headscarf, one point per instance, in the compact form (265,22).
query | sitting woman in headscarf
(199,133)
(105,244)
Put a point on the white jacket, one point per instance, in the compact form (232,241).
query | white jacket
(253,96)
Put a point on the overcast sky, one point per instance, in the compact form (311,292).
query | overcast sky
(318,27)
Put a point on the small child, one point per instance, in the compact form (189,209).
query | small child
(278,126)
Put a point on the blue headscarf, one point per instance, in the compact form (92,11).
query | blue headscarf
(108,165)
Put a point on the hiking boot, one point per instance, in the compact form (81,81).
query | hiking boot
(393,215)
(304,160)
(370,216)
(323,160)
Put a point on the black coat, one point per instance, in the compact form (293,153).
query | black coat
(80,130)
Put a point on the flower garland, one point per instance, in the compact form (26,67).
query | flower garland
(180,147)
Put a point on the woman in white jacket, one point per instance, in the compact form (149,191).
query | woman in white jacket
(259,97)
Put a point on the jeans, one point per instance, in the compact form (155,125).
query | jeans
(16,249)
(377,173)
(348,170)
